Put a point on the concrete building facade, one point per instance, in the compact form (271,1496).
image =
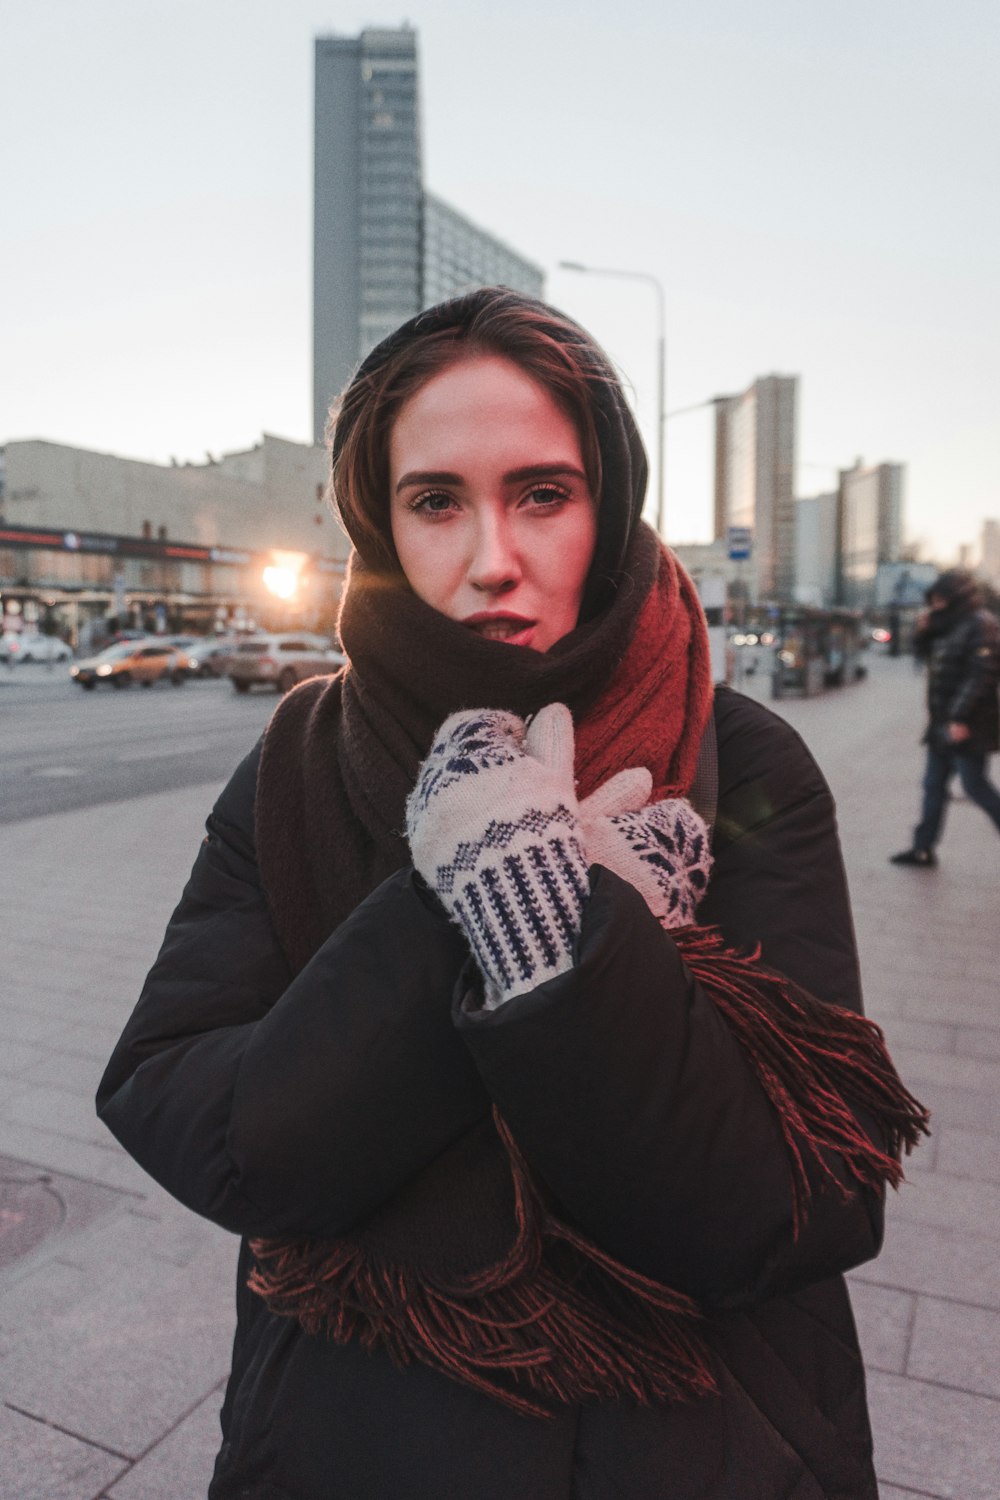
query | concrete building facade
(270,495)
(816,533)
(871,528)
(457,254)
(904,584)
(989,553)
(755,444)
(383,248)
(86,535)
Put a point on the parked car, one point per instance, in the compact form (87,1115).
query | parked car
(210,657)
(145,661)
(282,660)
(22,645)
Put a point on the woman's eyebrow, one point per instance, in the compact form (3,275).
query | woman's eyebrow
(427,476)
(543,471)
(513,476)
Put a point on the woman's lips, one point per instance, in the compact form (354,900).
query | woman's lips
(513,630)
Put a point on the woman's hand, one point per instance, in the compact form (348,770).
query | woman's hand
(662,849)
(492,826)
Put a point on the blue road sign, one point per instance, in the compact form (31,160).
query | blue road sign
(739,543)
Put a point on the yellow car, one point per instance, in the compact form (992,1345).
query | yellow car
(133,661)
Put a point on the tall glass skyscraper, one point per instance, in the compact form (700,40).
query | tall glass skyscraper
(383,248)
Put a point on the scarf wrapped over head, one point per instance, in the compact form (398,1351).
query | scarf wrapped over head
(523,1307)
(351,747)
(542,343)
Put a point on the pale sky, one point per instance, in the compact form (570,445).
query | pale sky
(817,187)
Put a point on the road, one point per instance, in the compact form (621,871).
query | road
(64,749)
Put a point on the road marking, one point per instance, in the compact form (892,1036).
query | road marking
(54,770)
(163,752)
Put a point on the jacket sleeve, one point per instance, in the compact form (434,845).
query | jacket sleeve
(982,670)
(628,1093)
(276,1105)
(923,637)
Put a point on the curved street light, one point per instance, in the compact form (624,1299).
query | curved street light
(661,393)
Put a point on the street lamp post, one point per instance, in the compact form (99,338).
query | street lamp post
(661,364)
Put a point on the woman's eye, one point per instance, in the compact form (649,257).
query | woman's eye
(432,502)
(547,494)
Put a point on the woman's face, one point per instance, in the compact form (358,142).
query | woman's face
(492,515)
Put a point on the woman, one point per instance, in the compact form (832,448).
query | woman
(543,1190)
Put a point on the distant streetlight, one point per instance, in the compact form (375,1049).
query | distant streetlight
(282,576)
(661,392)
(282,582)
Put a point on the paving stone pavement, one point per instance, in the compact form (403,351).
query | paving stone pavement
(115,1327)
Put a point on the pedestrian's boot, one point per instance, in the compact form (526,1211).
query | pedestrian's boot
(924,859)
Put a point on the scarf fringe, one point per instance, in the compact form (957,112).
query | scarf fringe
(811,1059)
(555,1322)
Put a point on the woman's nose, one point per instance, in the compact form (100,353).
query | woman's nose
(494,566)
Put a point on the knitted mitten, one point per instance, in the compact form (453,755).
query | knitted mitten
(492,828)
(662,849)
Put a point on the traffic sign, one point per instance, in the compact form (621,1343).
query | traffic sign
(739,541)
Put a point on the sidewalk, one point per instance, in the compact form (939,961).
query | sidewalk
(928,1310)
(114,1329)
(116,1304)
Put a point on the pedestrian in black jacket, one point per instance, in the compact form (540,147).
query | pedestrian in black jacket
(548,1124)
(961,644)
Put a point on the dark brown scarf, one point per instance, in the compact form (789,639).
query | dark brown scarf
(519,1304)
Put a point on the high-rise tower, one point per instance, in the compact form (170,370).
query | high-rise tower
(383,248)
(366,225)
(755,477)
(870,506)
(989,565)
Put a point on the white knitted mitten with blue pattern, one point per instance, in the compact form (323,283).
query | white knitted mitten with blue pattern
(663,848)
(492,825)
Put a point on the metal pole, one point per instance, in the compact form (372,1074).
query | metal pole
(738,663)
(661,374)
(661,517)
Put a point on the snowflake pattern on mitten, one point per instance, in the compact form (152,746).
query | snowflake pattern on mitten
(466,745)
(671,842)
(663,849)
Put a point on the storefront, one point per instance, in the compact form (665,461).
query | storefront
(84,586)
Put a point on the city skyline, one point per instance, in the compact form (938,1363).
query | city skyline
(808,189)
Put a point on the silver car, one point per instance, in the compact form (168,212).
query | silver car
(281,661)
(210,657)
(28,645)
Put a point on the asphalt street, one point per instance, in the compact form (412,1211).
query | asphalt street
(66,749)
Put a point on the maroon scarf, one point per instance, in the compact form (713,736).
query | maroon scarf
(524,1308)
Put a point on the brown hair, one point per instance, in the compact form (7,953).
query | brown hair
(493,320)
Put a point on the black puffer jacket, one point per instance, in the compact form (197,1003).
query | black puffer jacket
(279,1107)
(961,645)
